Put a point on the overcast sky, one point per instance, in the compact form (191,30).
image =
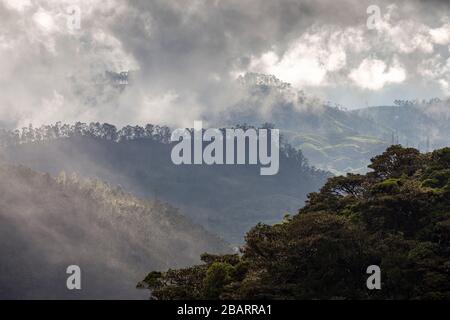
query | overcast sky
(187,54)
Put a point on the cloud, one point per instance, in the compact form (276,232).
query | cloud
(326,55)
(374,74)
(19,5)
(309,58)
(44,20)
(186,55)
(436,69)
(441,35)
(50,73)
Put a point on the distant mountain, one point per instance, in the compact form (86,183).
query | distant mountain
(331,137)
(424,125)
(47,224)
(226,199)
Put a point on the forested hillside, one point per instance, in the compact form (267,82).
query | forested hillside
(48,224)
(397,217)
(226,199)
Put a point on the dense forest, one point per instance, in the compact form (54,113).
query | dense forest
(227,200)
(397,216)
(94,129)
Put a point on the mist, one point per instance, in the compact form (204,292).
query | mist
(184,58)
(49,224)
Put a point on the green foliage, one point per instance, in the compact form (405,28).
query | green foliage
(397,217)
(217,276)
(387,186)
(397,161)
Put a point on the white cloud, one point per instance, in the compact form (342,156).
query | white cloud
(192,49)
(445,85)
(436,69)
(44,20)
(373,74)
(326,56)
(19,5)
(298,69)
(311,57)
(441,35)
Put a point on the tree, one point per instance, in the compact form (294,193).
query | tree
(396,161)
(396,217)
(109,132)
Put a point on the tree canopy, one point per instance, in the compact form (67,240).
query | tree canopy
(396,216)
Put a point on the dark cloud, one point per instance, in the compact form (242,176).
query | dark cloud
(187,55)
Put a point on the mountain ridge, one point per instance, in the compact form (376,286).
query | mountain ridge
(50,223)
